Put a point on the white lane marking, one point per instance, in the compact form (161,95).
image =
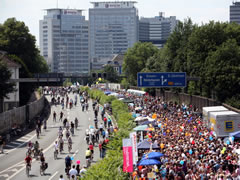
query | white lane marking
(17,143)
(50,146)
(22,144)
(15,170)
(75,153)
(11,167)
(4,175)
(89,119)
(8,145)
(53,175)
(23,139)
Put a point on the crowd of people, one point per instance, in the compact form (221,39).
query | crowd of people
(96,136)
(191,149)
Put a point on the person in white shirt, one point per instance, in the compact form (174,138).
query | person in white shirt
(55,146)
(72,172)
(83,171)
(61,177)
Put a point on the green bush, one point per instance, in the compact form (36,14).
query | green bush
(111,166)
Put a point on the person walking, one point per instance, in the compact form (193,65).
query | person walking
(1,144)
(54,116)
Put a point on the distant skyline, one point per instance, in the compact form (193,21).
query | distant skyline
(31,11)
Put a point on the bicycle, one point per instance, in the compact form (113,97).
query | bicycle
(88,162)
(28,170)
(43,167)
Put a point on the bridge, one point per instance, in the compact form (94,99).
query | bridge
(50,79)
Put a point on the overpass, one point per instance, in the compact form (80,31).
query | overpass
(50,79)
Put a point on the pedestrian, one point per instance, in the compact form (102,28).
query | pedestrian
(83,171)
(1,144)
(54,116)
(73,172)
(61,177)
(100,149)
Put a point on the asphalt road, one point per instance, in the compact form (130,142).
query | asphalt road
(12,164)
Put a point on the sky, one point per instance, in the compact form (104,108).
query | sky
(200,11)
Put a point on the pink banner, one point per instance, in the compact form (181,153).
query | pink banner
(127,156)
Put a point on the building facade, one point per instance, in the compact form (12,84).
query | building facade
(235,12)
(13,98)
(113,28)
(156,29)
(64,41)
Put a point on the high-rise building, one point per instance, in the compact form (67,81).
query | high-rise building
(235,12)
(156,29)
(64,41)
(113,28)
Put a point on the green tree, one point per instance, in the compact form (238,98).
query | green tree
(5,86)
(16,39)
(135,60)
(223,70)
(112,75)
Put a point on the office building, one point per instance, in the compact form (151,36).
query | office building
(64,41)
(113,28)
(156,29)
(235,12)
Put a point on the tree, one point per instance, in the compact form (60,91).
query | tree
(223,70)
(111,74)
(135,60)
(5,86)
(16,39)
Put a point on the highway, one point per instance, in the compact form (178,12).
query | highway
(12,164)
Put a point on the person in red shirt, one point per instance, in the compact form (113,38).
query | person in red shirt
(105,122)
(28,160)
(91,148)
(100,149)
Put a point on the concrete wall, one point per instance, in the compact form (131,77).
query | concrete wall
(18,115)
(198,101)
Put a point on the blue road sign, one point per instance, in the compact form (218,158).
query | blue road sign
(162,79)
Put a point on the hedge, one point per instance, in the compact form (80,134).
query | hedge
(111,166)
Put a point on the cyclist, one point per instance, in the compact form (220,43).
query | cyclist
(55,146)
(88,155)
(76,123)
(43,165)
(36,147)
(72,128)
(28,160)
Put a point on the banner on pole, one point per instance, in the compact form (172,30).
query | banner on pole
(133,137)
(127,156)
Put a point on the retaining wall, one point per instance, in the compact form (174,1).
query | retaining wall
(19,115)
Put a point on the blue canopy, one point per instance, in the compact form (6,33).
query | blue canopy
(235,134)
(152,155)
(149,122)
(148,162)
(107,92)
(146,145)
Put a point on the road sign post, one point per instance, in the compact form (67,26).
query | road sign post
(161,79)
